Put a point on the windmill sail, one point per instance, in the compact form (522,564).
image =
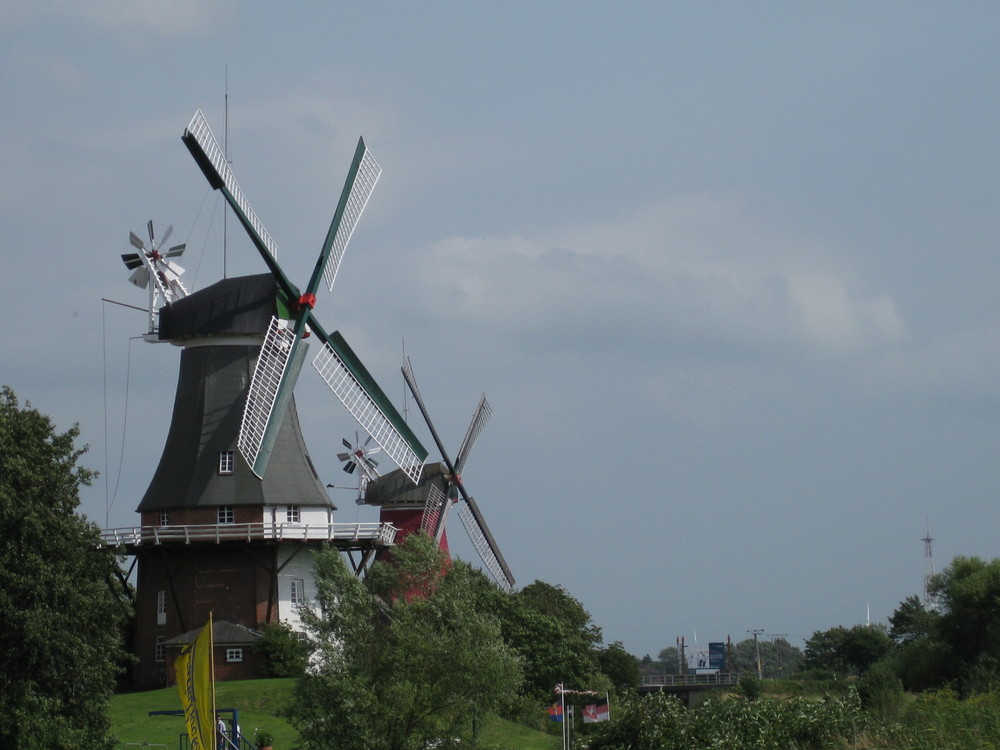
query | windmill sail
(485,544)
(472,517)
(357,390)
(480,417)
(276,371)
(259,429)
(361,180)
(212,159)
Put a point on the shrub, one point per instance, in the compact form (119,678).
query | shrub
(880,689)
(750,687)
(283,653)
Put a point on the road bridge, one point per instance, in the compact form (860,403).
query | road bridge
(690,688)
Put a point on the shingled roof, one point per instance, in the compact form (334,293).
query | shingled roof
(224,633)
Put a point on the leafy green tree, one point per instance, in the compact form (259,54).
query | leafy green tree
(619,666)
(847,650)
(668,659)
(556,602)
(968,592)
(556,638)
(778,657)
(920,659)
(923,663)
(911,621)
(60,616)
(282,652)
(400,659)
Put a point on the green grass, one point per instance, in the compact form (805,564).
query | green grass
(259,703)
(500,733)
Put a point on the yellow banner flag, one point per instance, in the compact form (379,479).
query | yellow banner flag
(195,683)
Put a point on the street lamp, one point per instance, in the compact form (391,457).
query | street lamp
(756,646)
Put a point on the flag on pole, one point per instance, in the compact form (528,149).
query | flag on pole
(556,712)
(196,684)
(599,711)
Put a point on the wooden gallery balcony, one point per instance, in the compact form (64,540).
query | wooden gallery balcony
(347,536)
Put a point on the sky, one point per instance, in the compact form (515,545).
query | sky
(727,272)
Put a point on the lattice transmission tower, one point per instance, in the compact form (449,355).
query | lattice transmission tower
(928,568)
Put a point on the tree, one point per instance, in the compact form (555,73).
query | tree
(911,621)
(668,659)
(619,666)
(402,658)
(968,591)
(957,641)
(282,652)
(60,617)
(555,636)
(778,658)
(847,650)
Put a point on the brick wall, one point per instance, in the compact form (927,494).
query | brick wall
(232,580)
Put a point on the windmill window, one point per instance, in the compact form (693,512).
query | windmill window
(161,607)
(158,649)
(292,514)
(298,591)
(164,518)
(226,514)
(227,462)
(234,655)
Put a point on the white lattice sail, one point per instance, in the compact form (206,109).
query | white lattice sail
(275,353)
(366,411)
(483,548)
(212,155)
(358,191)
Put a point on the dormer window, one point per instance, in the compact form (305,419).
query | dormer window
(227,462)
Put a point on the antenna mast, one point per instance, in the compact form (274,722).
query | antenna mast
(225,150)
(929,566)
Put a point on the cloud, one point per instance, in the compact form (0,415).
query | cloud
(694,270)
(962,365)
(155,17)
(54,70)
(127,18)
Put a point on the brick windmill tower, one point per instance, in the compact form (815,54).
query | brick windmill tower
(235,505)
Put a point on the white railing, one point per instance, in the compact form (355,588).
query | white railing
(383,533)
(668,680)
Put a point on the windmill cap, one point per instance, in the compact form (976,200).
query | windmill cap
(240,306)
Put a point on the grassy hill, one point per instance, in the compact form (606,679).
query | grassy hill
(260,703)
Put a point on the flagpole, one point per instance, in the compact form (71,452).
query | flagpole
(211,672)
(562,703)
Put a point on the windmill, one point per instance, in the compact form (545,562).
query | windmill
(220,534)
(153,270)
(283,351)
(358,456)
(426,506)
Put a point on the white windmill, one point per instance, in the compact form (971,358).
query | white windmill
(358,457)
(153,270)
(284,349)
